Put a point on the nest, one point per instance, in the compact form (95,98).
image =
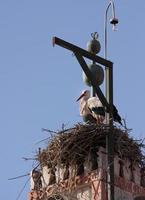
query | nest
(70,146)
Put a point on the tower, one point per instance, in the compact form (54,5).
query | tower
(74,166)
(91,161)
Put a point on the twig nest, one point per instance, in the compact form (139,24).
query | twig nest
(71,146)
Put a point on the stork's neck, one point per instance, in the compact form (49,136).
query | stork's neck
(83,106)
(83,100)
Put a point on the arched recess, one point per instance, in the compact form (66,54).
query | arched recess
(56,197)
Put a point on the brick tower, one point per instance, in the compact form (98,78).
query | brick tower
(74,166)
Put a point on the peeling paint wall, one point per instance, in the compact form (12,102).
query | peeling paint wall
(92,184)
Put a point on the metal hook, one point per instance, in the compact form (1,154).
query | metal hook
(95,35)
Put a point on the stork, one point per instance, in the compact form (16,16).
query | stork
(92,109)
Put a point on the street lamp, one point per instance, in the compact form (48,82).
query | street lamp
(109,97)
(113,21)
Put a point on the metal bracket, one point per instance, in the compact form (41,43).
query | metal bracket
(80,53)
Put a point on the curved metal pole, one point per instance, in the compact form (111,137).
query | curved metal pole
(105,31)
(111,3)
(113,8)
(109,116)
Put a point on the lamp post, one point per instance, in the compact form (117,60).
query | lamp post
(113,21)
(109,97)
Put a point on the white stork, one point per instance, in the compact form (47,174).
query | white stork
(91,108)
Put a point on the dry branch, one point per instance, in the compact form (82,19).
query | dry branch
(69,146)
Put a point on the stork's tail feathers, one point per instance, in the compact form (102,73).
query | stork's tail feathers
(116,116)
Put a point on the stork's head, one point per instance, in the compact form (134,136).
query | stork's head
(85,95)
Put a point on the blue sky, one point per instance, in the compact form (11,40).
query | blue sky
(39,84)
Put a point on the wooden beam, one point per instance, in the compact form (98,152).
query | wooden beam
(81,51)
(92,80)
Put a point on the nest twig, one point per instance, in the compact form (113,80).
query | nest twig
(69,146)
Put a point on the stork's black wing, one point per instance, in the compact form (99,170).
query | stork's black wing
(116,116)
(98,110)
(101,111)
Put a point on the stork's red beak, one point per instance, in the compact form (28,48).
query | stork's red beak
(80,97)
